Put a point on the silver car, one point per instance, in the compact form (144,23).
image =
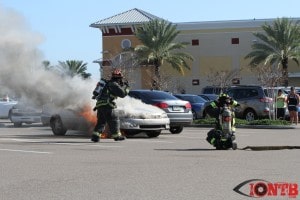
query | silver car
(179,111)
(147,121)
(22,113)
(5,106)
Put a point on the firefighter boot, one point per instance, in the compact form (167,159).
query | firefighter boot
(233,141)
(95,137)
(118,137)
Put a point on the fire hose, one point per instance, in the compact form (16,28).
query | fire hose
(266,148)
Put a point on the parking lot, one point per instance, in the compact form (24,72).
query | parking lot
(35,164)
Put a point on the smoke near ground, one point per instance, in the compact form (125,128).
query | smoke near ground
(21,71)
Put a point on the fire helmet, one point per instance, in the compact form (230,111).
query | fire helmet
(117,74)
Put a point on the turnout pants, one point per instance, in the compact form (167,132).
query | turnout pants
(107,115)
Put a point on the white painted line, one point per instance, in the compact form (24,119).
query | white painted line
(24,151)
(149,141)
(102,145)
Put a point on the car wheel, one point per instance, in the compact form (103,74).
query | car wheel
(152,134)
(176,129)
(9,114)
(250,115)
(17,124)
(57,126)
(194,115)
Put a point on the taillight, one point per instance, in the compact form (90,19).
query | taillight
(188,105)
(266,100)
(227,119)
(161,105)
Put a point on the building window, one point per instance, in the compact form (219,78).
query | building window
(126,44)
(195,82)
(235,40)
(195,42)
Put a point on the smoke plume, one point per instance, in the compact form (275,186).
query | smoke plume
(22,73)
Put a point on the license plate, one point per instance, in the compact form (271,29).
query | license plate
(177,108)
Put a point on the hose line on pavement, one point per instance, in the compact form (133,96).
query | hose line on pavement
(266,148)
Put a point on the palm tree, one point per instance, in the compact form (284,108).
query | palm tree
(278,45)
(73,68)
(158,46)
(46,64)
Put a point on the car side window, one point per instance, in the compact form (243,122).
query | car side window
(251,93)
(231,93)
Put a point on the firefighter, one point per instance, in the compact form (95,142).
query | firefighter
(106,106)
(214,108)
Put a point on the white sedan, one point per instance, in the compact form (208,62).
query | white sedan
(5,106)
(135,117)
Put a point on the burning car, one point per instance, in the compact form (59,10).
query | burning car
(144,118)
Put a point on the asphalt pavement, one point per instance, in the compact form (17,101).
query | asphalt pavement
(36,165)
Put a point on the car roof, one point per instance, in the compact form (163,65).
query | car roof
(146,90)
(185,95)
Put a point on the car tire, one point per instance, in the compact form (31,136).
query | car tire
(17,124)
(129,133)
(152,134)
(176,129)
(205,115)
(250,115)
(194,115)
(57,126)
(9,114)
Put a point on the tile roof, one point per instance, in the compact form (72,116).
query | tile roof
(133,16)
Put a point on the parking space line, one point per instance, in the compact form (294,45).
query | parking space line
(25,151)
(149,141)
(92,144)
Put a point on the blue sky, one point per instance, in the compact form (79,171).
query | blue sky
(64,24)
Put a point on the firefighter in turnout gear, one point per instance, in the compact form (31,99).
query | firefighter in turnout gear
(105,106)
(214,108)
(222,136)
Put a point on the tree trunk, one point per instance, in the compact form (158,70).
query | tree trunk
(157,85)
(285,74)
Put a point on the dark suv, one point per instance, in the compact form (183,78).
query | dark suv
(254,100)
(212,90)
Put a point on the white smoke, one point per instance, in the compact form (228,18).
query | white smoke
(131,107)
(22,73)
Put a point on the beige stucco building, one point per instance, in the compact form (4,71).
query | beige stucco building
(215,45)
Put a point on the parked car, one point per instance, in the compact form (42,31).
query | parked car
(209,97)
(149,121)
(22,113)
(179,111)
(196,102)
(212,90)
(254,101)
(5,106)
